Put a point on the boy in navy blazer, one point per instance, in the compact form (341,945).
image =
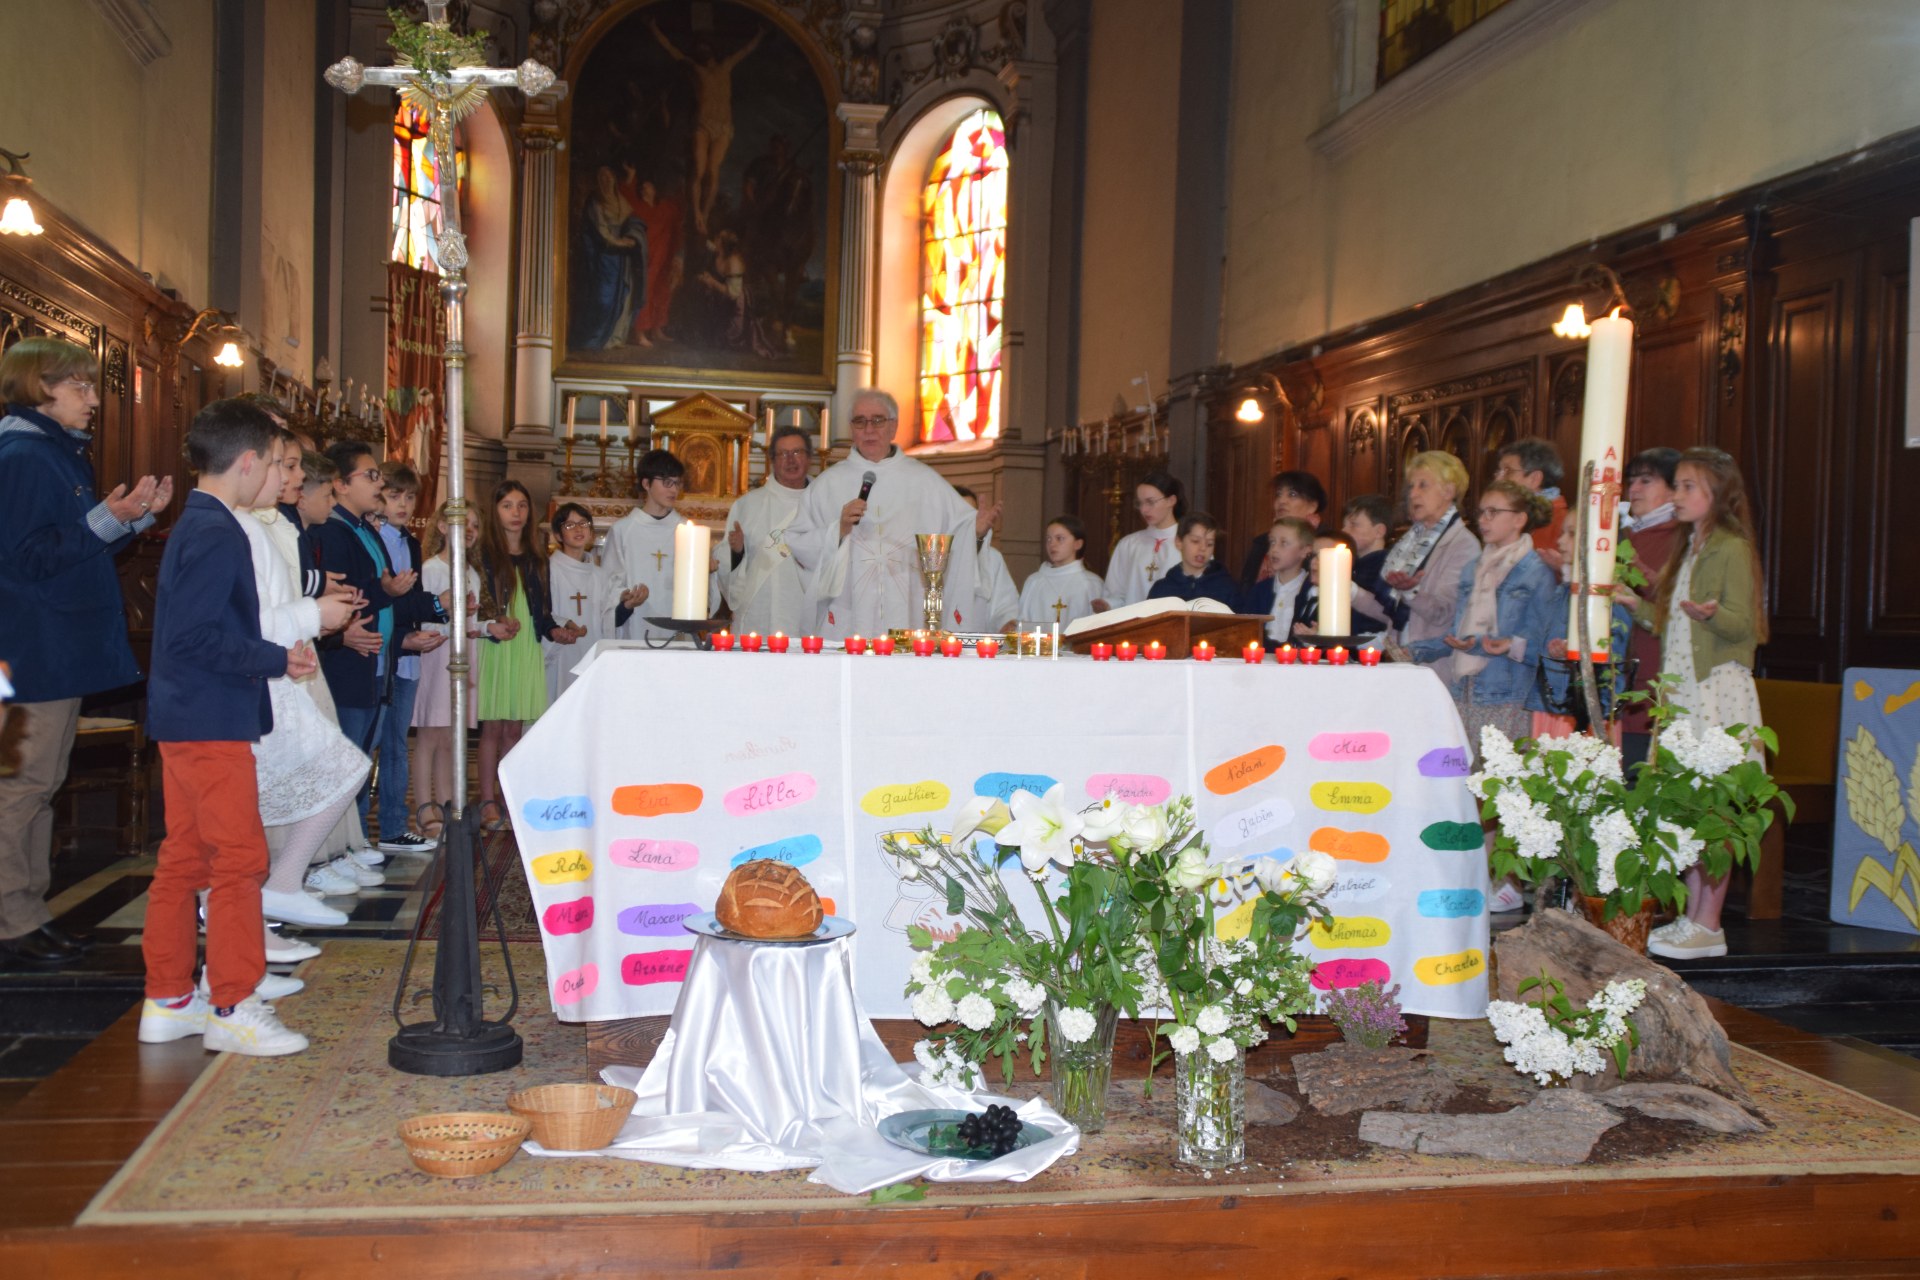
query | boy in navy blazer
(207,704)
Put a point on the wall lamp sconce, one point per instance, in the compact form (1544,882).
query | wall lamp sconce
(17,219)
(1573,322)
(1250,410)
(216,324)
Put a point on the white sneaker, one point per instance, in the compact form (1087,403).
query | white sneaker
(160,1021)
(367,857)
(363,877)
(1696,942)
(1673,931)
(1506,898)
(329,883)
(271,987)
(298,908)
(251,1028)
(290,950)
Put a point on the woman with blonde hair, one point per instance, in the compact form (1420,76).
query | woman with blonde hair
(1420,579)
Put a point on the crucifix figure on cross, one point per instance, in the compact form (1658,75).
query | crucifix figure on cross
(438,72)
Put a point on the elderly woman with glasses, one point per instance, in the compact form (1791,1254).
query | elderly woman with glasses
(1420,578)
(62,625)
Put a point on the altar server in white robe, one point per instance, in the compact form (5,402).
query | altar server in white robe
(764,584)
(584,600)
(866,574)
(1143,557)
(1063,589)
(996,603)
(639,552)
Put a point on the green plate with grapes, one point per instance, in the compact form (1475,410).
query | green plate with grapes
(938,1133)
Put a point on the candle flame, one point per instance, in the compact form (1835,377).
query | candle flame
(1573,322)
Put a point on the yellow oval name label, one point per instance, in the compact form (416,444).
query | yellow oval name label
(1444,971)
(1353,931)
(1351,797)
(563,867)
(906,797)
(1236,924)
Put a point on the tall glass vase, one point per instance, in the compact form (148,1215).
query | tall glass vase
(1210,1108)
(1082,1071)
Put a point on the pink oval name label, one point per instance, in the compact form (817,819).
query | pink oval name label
(654,855)
(1349,746)
(1329,974)
(646,967)
(769,794)
(568,917)
(576,985)
(1134,788)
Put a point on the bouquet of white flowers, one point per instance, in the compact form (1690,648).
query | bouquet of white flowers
(1550,1040)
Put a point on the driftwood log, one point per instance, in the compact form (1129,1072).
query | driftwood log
(1679,1039)
(1346,1078)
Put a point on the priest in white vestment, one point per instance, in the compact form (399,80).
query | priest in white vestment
(639,552)
(584,600)
(866,573)
(764,585)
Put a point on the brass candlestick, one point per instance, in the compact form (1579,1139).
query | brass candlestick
(934,549)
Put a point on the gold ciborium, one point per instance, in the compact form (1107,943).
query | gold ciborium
(934,548)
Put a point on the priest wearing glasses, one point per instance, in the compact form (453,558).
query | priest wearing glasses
(764,584)
(856,529)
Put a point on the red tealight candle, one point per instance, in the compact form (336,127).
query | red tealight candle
(1255,653)
(1156,652)
(1369,657)
(922,647)
(1286,655)
(1337,657)
(951,647)
(883,645)
(1126,651)
(777,642)
(855,644)
(1103,652)
(812,644)
(987,648)
(1310,655)
(1203,652)
(723,640)
(751,642)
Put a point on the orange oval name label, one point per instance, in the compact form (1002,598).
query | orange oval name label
(1242,772)
(1349,846)
(654,799)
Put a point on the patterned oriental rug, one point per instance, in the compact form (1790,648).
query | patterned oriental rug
(504,877)
(311,1137)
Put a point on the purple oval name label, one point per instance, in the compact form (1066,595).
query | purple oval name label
(1445,762)
(656,919)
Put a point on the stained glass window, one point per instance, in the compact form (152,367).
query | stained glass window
(416,189)
(963,283)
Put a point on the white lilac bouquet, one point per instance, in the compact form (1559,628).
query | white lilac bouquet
(1563,807)
(1551,1040)
(997,975)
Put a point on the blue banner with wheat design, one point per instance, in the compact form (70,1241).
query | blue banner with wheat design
(1876,833)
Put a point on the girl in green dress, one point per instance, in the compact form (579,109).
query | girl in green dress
(517,612)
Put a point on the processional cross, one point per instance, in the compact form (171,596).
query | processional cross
(438,73)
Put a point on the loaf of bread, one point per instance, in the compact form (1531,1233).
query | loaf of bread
(768,899)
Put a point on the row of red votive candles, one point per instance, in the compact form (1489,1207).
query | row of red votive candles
(780,642)
(1126,651)
(1254,654)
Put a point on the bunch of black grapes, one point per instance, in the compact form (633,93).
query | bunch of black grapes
(996,1129)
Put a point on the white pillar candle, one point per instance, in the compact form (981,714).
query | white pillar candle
(691,550)
(768,438)
(1603,442)
(826,430)
(1336,591)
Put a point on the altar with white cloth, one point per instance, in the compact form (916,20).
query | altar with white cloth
(659,772)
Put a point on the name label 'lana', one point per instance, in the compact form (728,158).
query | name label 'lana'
(653,855)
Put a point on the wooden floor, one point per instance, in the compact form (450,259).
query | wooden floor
(63,1140)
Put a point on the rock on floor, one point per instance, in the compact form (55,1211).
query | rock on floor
(1558,1127)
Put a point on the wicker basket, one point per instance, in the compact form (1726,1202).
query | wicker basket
(574,1117)
(463,1144)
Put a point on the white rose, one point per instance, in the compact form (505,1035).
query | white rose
(1184,1040)
(1222,1050)
(933,1006)
(1314,870)
(975,1011)
(1212,1020)
(1190,871)
(1076,1025)
(1144,826)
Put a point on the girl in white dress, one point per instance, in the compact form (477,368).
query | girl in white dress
(1063,588)
(1143,557)
(584,598)
(433,703)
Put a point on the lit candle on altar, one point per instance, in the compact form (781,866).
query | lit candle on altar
(1369,657)
(1126,651)
(1103,652)
(1203,652)
(1255,653)
(723,641)
(1309,655)
(922,645)
(987,648)
(1337,656)
(768,440)
(1336,591)
(856,644)
(1285,655)
(812,644)
(1603,441)
(692,545)
(883,645)
(778,642)
(573,409)
(750,643)
(1156,652)
(951,647)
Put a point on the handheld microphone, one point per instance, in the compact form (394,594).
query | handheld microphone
(866,485)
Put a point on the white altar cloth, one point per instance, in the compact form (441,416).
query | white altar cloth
(657,772)
(771,1064)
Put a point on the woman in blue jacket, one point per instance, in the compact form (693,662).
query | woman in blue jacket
(62,626)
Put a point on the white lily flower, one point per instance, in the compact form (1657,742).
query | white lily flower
(976,814)
(1101,822)
(1043,828)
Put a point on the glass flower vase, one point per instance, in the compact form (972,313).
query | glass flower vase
(1082,1071)
(1210,1108)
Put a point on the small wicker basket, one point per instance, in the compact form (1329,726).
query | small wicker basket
(463,1144)
(574,1117)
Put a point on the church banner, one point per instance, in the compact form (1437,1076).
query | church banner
(416,378)
(1876,829)
(659,772)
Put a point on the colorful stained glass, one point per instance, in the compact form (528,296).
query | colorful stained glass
(416,190)
(963,283)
